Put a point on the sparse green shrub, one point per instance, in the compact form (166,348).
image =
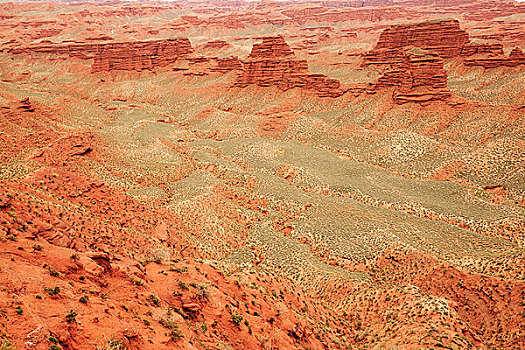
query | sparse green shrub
(183,285)
(237,319)
(137,282)
(179,269)
(202,291)
(154,300)
(53,340)
(53,291)
(71,316)
(5,343)
(53,272)
(113,344)
(176,334)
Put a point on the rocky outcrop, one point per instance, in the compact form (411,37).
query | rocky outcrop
(443,37)
(136,56)
(215,45)
(271,47)
(227,64)
(482,49)
(415,54)
(273,63)
(420,77)
(142,55)
(80,50)
(516,58)
(382,57)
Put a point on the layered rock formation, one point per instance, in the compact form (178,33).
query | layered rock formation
(137,56)
(142,55)
(227,64)
(482,49)
(216,45)
(415,53)
(420,77)
(273,63)
(443,37)
(516,58)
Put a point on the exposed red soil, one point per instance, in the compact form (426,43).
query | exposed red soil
(135,244)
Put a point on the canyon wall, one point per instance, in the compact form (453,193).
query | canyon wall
(420,77)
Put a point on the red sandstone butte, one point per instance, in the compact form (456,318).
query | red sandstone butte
(420,77)
(443,37)
(273,63)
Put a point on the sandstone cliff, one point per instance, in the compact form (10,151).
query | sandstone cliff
(420,77)
(516,58)
(137,56)
(273,63)
(142,55)
(444,38)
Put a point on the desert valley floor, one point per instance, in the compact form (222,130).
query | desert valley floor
(262,174)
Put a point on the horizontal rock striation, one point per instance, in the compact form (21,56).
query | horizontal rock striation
(415,54)
(136,56)
(216,45)
(141,55)
(273,63)
(443,37)
(420,77)
(227,64)
(516,58)
(482,49)
(271,47)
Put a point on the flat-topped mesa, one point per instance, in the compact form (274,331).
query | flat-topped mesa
(273,63)
(419,78)
(271,47)
(443,37)
(140,55)
(47,48)
(136,55)
(516,58)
